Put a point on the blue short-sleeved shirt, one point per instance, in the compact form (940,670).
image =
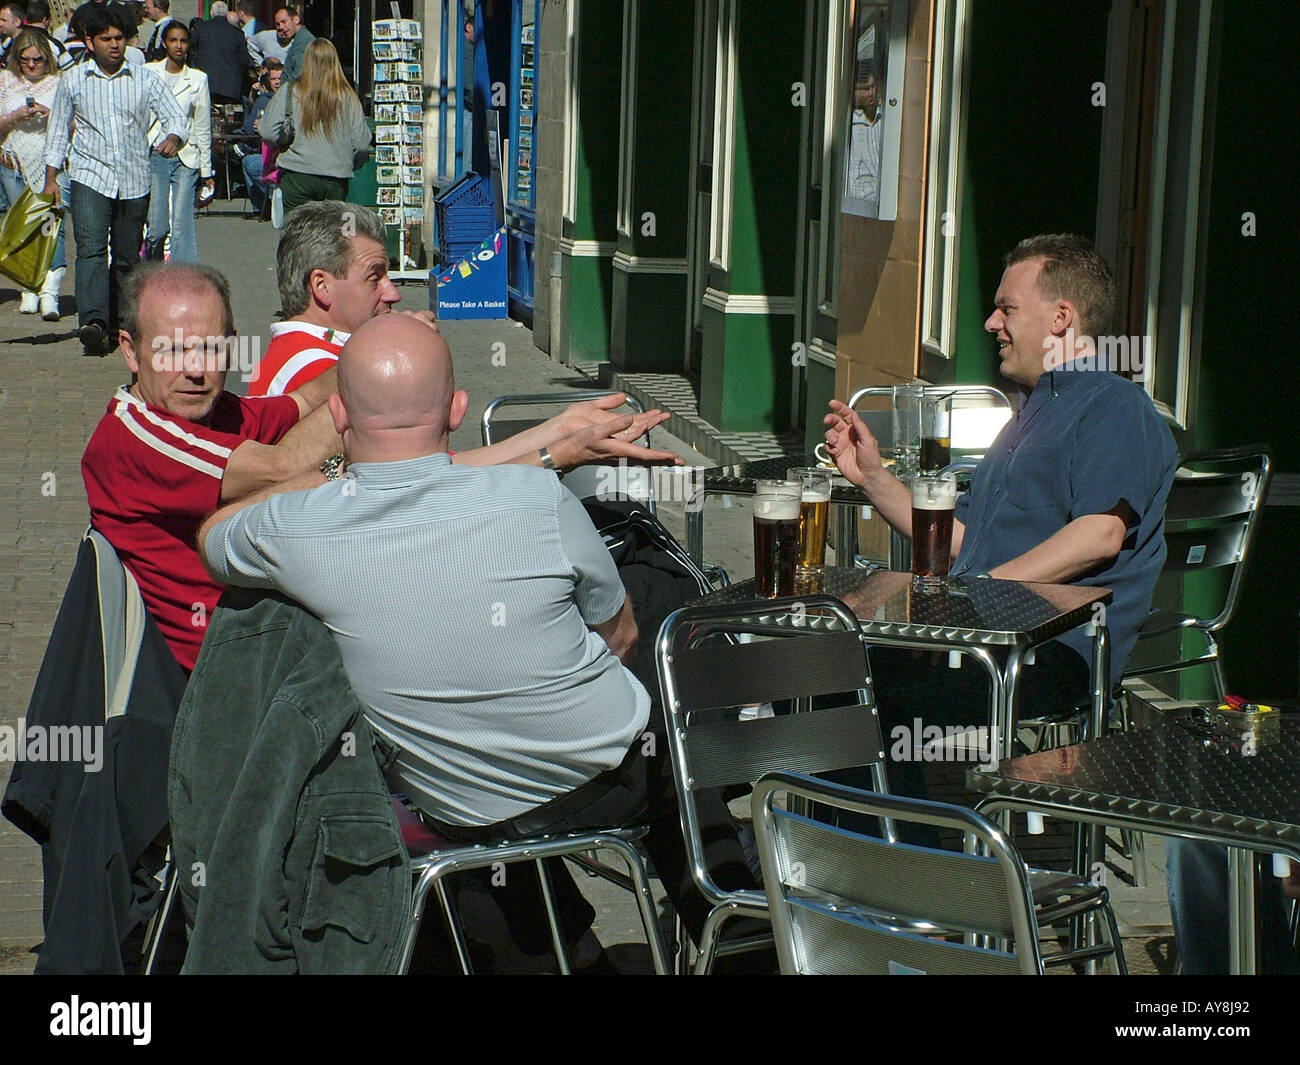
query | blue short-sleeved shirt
(1083,442)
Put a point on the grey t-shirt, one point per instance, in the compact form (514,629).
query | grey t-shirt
(461,598)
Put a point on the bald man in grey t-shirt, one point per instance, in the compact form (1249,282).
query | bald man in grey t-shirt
(480,617)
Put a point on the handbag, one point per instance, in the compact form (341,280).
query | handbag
(28,238)
(286,127)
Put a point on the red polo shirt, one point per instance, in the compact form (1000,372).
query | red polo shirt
(151,478)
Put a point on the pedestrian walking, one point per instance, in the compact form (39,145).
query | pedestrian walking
(27,87)
(171,193)
(110,102)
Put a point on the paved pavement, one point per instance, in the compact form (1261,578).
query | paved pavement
(50,400)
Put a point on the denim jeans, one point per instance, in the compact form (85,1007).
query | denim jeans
(1197,879)
(252,167)
(96,219)
(12,185)
(171,206)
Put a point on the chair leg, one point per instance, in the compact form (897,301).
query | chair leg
(557,936)
(158,924)
(1220,682)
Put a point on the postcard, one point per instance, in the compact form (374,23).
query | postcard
(412,134)
(525,120)
(384,29)
(409,29)
(413,154)
(414,215)
(412,113)
(412,175)
(385,50)
(413,195)
(526,99)
(384,71)
(388,134)
(414,94)
(392,216)
(388,175)
(387,153)
(525,159)
(387,113)
(525,138)
(389,196)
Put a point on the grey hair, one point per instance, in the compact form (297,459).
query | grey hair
(219,9)
(172,275)
(318,236)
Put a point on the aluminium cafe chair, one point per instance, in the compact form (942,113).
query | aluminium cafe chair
(846,903)
(1212,518)
(801,648)
(434,858)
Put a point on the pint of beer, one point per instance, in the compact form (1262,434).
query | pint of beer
(934,499)
(814,508)
(776,536)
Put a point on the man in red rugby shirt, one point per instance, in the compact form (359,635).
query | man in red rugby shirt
(332,269)
(174,445)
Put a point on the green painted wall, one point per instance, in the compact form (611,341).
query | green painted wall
(745,385)
(1248,361)
(755,353)
(649,320)
(1033,147)
(588,282)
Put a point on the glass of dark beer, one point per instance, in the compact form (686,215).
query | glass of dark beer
(814,509)
(934,499)
(936,431)
(776,536)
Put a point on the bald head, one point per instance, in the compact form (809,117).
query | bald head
(397,396)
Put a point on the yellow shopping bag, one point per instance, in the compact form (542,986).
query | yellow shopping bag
(27,239)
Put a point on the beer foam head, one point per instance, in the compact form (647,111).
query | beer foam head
(934,493)
(816,495)
(776,509)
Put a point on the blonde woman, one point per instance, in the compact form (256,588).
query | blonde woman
(319,118)
(27,86)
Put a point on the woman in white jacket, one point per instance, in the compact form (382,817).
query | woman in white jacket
(171,195)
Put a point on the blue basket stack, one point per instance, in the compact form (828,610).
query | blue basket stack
(465,217)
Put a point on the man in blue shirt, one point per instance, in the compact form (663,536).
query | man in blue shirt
(1072,491)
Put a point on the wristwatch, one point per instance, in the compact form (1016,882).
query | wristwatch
(332,467)
(548,463)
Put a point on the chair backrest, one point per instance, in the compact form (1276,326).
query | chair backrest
(978,414)
(1212,516)
(846,903)
(586,481)
(799,649)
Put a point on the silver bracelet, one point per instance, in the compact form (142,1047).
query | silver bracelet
(548,463)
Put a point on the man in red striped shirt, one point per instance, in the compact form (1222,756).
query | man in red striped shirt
(332,269)
(174,445)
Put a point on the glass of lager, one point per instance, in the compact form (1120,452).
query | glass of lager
(934,500)
(776,536)
(814,507)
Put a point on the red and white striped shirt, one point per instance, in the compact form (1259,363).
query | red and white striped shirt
(151,478)
(298,353)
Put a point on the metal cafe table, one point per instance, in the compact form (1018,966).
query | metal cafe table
(1173,781)
(971,617)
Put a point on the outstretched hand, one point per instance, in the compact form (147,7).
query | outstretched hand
(610,440)
(854,449)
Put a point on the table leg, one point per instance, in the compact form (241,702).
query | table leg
(846,534)
(695,526)
(1241,911)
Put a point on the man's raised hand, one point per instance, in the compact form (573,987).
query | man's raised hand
(854,449)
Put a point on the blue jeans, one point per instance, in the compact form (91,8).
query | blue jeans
(171,206)
(1197,875)
(96,219)
(11,187)
(252,165)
